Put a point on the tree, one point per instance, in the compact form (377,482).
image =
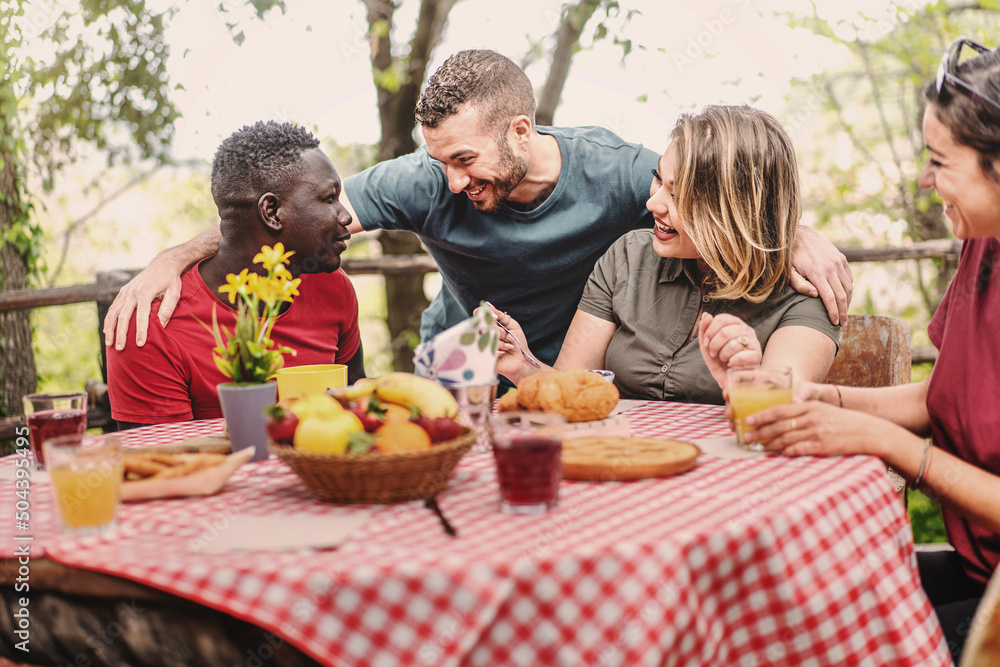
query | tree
(106,85)
(398,73)
(876,103)
(103,83)
(572,21)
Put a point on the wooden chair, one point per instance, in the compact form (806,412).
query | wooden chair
(874,352)
(982,647)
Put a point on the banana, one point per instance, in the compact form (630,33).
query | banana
(361,389)
(429,397)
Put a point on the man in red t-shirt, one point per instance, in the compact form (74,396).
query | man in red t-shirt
(271,182)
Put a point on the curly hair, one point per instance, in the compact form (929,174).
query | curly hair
(492,83)
(256,159)
(972,122)
(736,184)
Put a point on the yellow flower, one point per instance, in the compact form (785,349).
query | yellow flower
(265,289)
(233,285)
(247,354)
(271,257)
(290,289)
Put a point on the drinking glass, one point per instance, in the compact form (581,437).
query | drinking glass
(302,381)
(475,405)
(527,447)
(754,389)
(49,415)
(86,480)
(607,375)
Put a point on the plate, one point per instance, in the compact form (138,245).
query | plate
(203,482)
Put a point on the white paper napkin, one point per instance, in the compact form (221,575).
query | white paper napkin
(8,473)
(466,353)
(725,447)
(284,532)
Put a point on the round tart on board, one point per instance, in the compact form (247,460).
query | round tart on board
(615,459)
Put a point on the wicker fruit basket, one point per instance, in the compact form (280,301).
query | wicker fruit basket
(376,477)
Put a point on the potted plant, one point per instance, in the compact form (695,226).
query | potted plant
(247,355)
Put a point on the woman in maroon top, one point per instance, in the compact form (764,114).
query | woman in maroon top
(959,405)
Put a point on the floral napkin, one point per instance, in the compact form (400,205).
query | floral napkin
(463,354)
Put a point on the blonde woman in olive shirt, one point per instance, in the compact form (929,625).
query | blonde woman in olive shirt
(671,308)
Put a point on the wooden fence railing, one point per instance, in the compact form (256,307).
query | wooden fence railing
(106,286)
(108,283)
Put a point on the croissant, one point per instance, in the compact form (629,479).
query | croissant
(577,394)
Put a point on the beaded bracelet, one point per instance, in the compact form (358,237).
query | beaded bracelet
(840,399)
(925,465)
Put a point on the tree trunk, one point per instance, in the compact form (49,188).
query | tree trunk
(405,298)
(567,40)
(17,359)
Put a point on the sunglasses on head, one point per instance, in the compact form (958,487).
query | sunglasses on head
(949,63)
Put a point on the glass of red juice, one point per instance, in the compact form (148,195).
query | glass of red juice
(528,451)
(53,414)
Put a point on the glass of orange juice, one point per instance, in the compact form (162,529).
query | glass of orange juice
(754,389)
(86,479)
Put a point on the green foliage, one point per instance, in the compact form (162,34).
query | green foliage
(920,372)
(101,81)
(260,8)
(67,346)
(612,22)
(874,107)
(925,519)
(393,77)
(23,233)
(109,74)
(876,103)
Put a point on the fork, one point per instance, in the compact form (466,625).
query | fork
(431,504)
(530,359)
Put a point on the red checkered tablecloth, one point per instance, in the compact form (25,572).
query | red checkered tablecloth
(766,561)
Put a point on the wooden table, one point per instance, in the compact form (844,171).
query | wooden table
(737,562)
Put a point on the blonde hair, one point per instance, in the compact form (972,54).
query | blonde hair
(736,184)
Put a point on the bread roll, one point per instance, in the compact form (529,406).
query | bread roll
(578,395)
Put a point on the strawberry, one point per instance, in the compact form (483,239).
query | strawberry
(281,423)
(439,429)
(368,419)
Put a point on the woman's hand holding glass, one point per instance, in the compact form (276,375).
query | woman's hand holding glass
(817,428)
(727,342)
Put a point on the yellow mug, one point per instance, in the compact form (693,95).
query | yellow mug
(302,381)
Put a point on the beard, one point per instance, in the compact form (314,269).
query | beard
(511,170)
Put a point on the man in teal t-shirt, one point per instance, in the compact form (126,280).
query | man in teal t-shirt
(512,213)
(532,262)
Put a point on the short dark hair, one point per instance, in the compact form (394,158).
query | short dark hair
(256,159)
(971,121)
(492,83)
